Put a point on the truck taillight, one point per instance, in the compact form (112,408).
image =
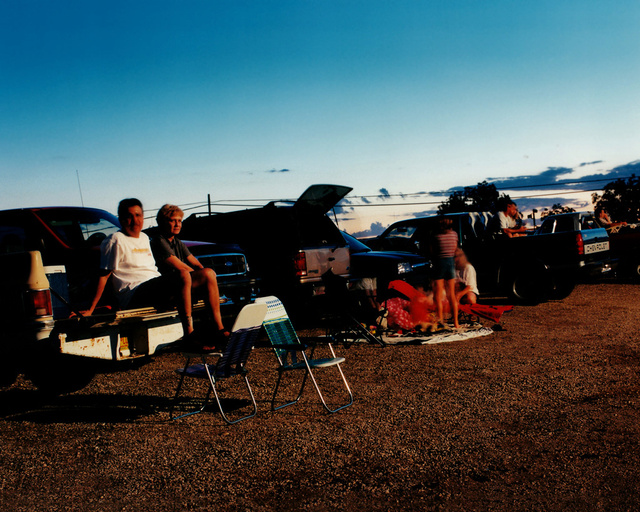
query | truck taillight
(38,302)
(579,243)
(300,264)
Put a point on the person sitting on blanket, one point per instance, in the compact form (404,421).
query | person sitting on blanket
(466,281)
(174,259)
(417,311)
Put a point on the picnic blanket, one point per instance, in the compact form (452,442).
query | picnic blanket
(466,332)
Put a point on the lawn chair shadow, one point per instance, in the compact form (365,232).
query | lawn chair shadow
(31,405)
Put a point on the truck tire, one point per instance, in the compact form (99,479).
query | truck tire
(528,286)
(563,286)
(60,374)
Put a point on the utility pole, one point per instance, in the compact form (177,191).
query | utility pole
(209,203)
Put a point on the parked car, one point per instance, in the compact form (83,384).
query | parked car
(386,266)
(236,284)
(537,267)
(290,246)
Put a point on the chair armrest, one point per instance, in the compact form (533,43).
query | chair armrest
(290,346)
(318,339)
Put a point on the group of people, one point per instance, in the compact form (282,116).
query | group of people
(156,272)
(454,282)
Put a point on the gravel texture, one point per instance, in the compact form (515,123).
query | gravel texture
(540,416)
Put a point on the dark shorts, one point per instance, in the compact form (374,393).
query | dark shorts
(159,292)
(444,268)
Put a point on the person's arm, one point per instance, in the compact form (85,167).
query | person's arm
(102,282)
(462,293)
(194,261)
(174,262)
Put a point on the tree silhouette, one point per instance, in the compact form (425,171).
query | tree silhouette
(621,198)
(484,197)
(556,209)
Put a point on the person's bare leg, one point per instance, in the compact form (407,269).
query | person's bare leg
(451,292)
(438,288)
(207,277)
(185,301)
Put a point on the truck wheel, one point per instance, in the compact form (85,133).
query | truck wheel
(61,374)
(528,287)
(563,286)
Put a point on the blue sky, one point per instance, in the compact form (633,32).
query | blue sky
(169,101)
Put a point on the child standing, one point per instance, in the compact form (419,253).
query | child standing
(443,251)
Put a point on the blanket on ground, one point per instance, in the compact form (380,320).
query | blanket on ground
(419,338)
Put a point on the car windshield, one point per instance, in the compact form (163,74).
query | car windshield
(403,231)
(79,227)
(355,246)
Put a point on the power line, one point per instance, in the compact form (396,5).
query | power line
(250,203)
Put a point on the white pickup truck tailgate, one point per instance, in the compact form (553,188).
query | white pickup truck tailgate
(321,260)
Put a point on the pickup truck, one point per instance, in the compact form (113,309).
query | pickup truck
(48,263)
(543,265)
(291,245)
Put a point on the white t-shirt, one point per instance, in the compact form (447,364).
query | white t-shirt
(506,221)
(131,262)
(467,276)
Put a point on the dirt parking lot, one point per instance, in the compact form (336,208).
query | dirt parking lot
(540,416)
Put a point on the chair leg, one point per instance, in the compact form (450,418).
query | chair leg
(179,388)
(253,400)
(275,392)
(315,384)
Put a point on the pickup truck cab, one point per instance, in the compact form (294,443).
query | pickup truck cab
(544,265)
(49,260)
(290,245)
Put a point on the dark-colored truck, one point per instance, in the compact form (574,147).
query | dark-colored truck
(543,265)
(290,245)
(49,259)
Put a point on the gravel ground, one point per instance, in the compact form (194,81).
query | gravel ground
(540,416)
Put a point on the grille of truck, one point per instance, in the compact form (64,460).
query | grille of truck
(225,264)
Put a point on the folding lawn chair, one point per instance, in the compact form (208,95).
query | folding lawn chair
(291,354)
(339,315)
(230,362)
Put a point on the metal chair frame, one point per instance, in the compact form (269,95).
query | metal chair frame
(230,363)
(287,346)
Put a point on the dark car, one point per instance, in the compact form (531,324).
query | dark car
(386,266)
(290,245)
(235,282)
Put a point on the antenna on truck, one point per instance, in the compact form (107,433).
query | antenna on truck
(80,188)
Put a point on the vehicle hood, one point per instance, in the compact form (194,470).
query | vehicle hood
(321,198)
(398,256)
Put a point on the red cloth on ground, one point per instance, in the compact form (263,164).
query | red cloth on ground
(399,315)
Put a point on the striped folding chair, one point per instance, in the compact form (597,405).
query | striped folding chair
(291,354)
(230,363)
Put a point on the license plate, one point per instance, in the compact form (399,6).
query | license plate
(597,247)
